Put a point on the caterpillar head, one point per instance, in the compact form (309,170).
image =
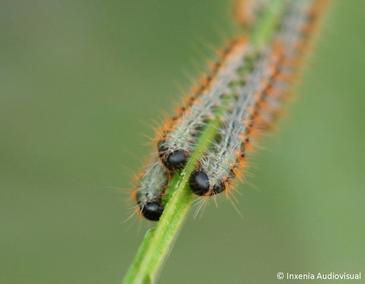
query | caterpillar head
(175,160)
(200,185)
(152,210)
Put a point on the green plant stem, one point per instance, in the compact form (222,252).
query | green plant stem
(158,240)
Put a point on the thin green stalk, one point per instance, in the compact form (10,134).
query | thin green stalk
(159,240)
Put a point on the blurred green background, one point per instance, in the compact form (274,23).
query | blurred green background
(82,83)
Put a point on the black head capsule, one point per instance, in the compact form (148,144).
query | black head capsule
(176,160)
(199,183)
(152,210)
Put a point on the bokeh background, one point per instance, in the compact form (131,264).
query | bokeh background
(82,83)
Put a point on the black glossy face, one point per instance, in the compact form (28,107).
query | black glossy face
(176,160)
(152,211)
(199,183)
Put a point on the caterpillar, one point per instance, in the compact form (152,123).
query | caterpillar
(150,188)
(179,135)
(254,113)
(227,156)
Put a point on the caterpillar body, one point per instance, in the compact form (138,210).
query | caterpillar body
(180,135)
(150,189)
(227,156)
(295,36)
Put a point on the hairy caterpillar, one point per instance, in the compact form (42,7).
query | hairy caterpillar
(180,133)
(224,161)
(150,188)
